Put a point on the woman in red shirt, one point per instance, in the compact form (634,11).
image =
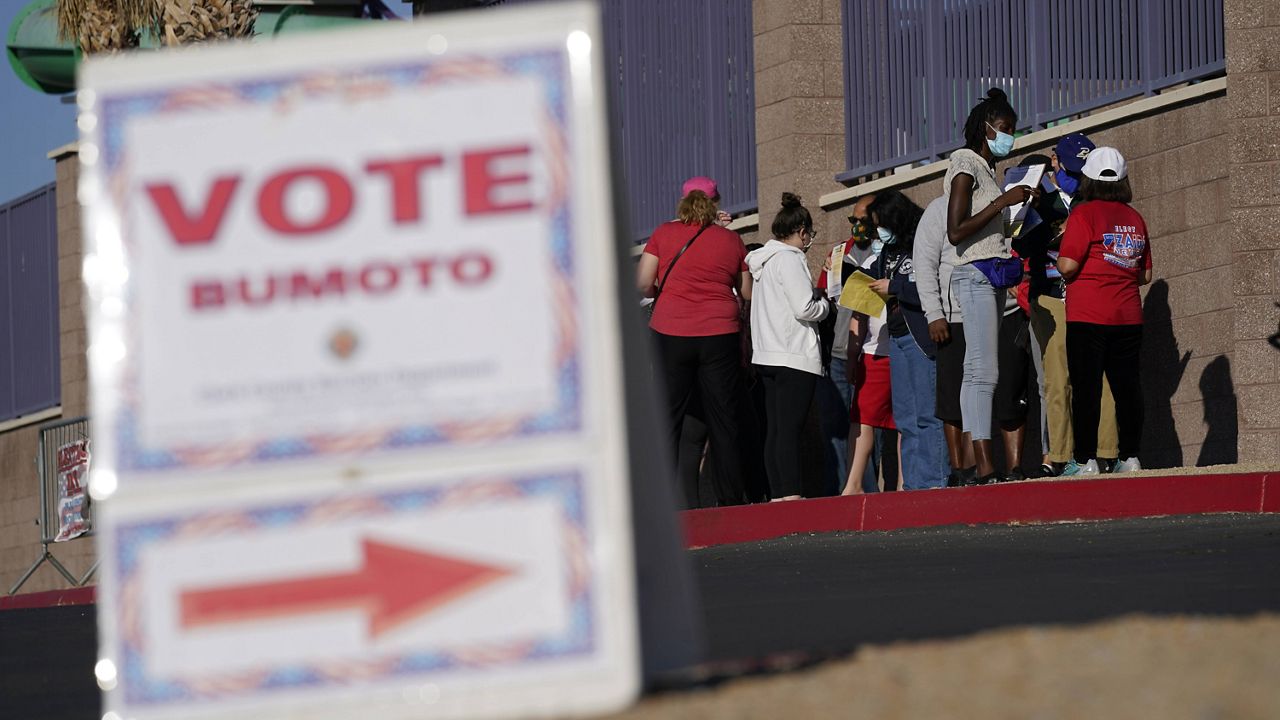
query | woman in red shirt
(696,272)
(1105,257)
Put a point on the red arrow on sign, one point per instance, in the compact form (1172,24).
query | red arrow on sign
(395,585)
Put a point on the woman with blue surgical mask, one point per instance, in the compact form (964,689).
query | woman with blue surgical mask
(912,373)
(986,269)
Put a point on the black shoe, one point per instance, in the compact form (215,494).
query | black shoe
(1046,470)
(1106,466)
(991,479)
(962,477)
(1014,475)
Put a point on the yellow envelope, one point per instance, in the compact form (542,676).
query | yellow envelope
(859,297)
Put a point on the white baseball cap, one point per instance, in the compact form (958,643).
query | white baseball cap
(1105,164)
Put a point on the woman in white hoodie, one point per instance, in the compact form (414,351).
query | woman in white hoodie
(785,311)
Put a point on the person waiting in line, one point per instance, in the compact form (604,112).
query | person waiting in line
(1105,257)
(871,412)
(933,260)
(986,268)
(841,435)
(696,272)
(913,376)
(1047,311)
(1015,368)
(1017,354)
(785,310)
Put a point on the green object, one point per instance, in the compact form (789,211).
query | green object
(48,64)
(37,56)
(304,18)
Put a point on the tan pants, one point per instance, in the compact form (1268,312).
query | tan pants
(1049,323)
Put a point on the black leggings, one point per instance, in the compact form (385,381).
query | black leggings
(787,395)
(1014,361)
(1093,350)
(709,366)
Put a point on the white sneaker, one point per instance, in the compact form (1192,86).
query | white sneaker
(1128,465)
(1089,468)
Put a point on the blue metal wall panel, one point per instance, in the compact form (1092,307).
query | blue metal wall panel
(30,371)
(681,78)
(914,68)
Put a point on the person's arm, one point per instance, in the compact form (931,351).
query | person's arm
(925,259)
(1068,268)
(647,274)
(1075,244)
(857,330)
(960,224)
(1146,277)
(745,285)
(805,304)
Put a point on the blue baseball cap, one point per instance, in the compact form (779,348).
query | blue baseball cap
(1072,150)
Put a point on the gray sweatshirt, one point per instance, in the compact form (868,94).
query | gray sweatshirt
(933,259)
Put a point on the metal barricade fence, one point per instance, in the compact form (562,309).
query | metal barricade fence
(62,461)
(914,68)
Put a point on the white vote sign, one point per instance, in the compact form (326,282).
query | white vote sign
(355,369)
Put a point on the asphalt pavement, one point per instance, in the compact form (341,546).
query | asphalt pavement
(828,594)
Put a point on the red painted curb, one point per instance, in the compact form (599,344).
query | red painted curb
(1024,502)
(50,598)
(1270,494)
(744,523)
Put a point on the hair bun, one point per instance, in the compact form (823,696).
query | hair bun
(790,200)
(997,95)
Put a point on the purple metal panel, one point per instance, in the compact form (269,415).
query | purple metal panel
(683,100)
(30,375)
(7,402)
(919,65)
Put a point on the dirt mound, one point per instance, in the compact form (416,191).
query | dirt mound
(1136,667)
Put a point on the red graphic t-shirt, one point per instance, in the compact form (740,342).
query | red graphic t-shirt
(698,299)
(1109,240)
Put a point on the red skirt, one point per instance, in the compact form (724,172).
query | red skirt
(872,394)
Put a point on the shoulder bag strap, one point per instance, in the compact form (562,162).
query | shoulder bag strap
(658,291)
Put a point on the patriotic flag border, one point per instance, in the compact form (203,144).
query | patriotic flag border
(550,68)
(130,540)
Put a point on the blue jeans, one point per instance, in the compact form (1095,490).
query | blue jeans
(981,305)
(924,448)
(834,397)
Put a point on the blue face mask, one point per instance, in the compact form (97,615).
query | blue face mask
(884,237)
(1002,145)
(1066,183)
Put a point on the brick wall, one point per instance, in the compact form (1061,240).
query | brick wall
(19,483)
(19,505)
(1179,172)
(799,109)
(75,376)
(1253,197)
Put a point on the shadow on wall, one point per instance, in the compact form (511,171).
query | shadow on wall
(1221,442)
(1275,339)
(1162,370)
